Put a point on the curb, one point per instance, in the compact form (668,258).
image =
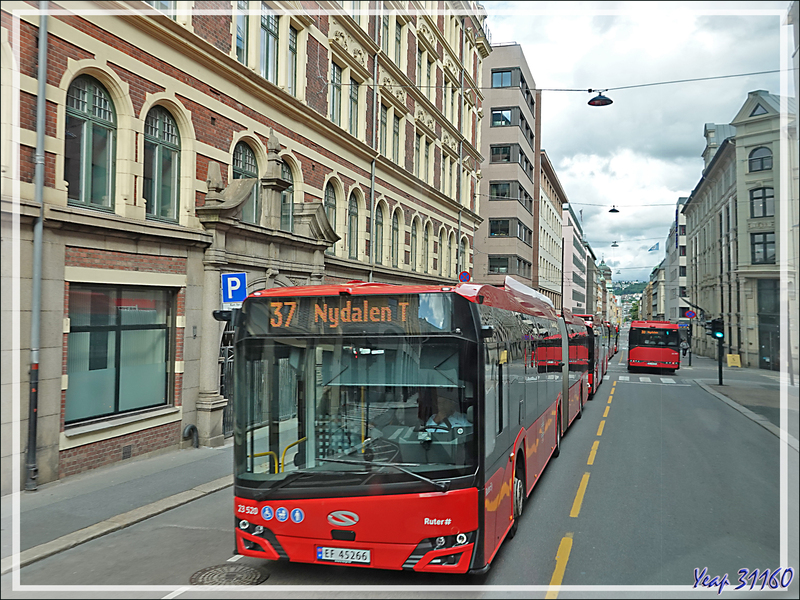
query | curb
(763,421)
(115,523)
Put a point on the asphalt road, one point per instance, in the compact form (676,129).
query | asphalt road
(678,481)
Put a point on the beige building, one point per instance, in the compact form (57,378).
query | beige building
(735,225)
(298,143)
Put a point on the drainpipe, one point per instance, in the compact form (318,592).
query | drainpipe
(36,285)
(374,144)
(461,141)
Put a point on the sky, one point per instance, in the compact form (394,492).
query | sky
(642,152)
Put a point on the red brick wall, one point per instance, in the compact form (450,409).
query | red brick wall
(317,76)
(214,28)
(91,456)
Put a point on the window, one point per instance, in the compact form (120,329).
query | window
(336,93)
(501,154)
(287,200)
(498,264)
(242,19)
(352,227)
(395,239)
(384,116)
(165,6)
(379,236)
(682,271)
(501,117)
(90,140)
(330,209)
(385,34)
(398,38)
(762,203)
(354,107)
(417,144)
(428,80)
(762,248)
(760,159)
(681,250)
(441,252)
(462,255)
(500,191)
(427,158)
(161,166)
(244,167)
(501,79)
(414,246)
(396,140)
(419,67)
(425,242)
(499,227)
(118,350)
(269,44)
(292,66)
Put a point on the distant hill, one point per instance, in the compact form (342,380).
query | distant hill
(631,288)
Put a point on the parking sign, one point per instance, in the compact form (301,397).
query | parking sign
(234,289)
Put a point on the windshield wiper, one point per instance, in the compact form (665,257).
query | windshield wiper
(442,487)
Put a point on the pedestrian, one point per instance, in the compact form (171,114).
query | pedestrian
(684,346)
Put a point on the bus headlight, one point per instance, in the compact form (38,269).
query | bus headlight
(461,539)
(243,524)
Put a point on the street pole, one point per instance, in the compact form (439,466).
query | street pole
(719,352)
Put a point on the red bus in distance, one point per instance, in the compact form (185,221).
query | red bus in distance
(655,345)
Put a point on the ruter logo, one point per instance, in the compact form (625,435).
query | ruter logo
(342,518)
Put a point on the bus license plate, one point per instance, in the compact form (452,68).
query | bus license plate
(343,555)
(653,364)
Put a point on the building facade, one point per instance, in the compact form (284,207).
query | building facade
(675,269)
(506,241)
(548,246)
(735,228)
(574,278)
(298,143)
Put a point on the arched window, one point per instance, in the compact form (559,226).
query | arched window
(244,167)
(89,144)
(395,239)
(330,209)
(425,242)
(287,200)
(760,159)
(441,253)
(414,245)
(379,235)
(162,147)
(352,226)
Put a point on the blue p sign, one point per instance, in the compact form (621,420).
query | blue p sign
(234,287)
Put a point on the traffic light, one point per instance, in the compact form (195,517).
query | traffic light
(717,328)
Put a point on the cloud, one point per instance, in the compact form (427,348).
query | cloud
(643,152)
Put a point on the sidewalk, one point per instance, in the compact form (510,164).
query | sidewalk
(63,514)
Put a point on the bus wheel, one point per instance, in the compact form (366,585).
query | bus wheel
(519,499)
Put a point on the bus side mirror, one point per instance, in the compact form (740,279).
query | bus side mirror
(487,331)
(222,315)
(470,413)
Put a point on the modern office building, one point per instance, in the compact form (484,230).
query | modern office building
(297,143)
(574,277)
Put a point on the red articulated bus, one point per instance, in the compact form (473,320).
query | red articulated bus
(595,350)
(654,344)
(395,427)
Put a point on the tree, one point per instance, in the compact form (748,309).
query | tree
(634,310)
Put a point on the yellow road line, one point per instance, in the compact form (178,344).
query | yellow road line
(576,505)
(605,414)
(600,429)
(562,556)
(592,453)
(610,398)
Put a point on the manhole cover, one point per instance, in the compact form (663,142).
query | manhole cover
(228,575)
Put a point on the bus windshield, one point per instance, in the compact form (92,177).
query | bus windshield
(349,404)
(654,337)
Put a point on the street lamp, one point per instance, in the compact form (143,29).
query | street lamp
(615,244)
(599,100)
(613,209)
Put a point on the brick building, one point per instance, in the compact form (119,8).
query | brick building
(298,143)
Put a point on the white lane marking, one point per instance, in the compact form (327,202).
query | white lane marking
(644,379)
(624,378)
(667,380)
